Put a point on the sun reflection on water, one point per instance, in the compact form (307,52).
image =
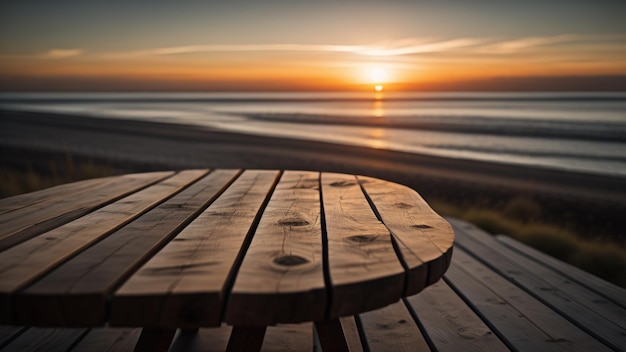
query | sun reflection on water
(379,110)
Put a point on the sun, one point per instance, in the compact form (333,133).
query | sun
(378,75)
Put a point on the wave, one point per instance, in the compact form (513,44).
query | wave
(528,153)
(514,127)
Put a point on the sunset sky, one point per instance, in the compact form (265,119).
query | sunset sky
(80,45)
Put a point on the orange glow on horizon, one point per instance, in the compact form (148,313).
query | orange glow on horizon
(282,72)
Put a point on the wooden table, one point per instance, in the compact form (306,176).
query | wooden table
(197,248)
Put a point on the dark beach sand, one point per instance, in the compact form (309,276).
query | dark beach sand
(592,203)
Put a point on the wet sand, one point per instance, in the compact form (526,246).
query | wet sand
(142,146)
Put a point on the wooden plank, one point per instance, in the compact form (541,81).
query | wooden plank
(108,339)
(392,329)
(76,293)
(25,223)
(331,335)
(521,321)
(281,278)
(361,257)
(246,339)
(424,239)
(22,264)
(44,339)
(155,340)
(15,203)
(183,285)
(8,333)
(606,289)
(284,337)
(205,340)
(351,332)
(450,324)
(289,337)
(589,311)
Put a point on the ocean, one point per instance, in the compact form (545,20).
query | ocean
(582,132)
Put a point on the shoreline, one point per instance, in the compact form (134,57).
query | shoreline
(143,146)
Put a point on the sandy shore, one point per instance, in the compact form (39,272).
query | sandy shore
(138,146)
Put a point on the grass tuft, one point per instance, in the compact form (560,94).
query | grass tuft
(517,219)
(19,180)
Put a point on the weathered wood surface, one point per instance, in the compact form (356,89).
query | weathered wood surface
(22,264)
(422,236)
(588,310)
(185,283)
(76,292)
(108,340)
(609,291)
(288,247)
(361,257)
(473,309)
(25,222)
(284,259)
(392,329)
(42,339)
(450,323)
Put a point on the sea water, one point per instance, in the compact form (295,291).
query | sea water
(583,132)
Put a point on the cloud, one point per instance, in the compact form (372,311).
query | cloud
(406,47)
(190,49)
(54,54)
(62,53)
(397,48)
(520,44)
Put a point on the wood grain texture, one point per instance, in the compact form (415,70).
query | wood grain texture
(591,312)
(205,340)
(281,277)
(18,202)
(22,264)
(364,269)
(424,238)
(108,340)
(184,284)
(289,337)
(450,324)
(392,329)
(606,289)
(519,319)
(351,332)
(8,333)
(45,339)
(27,222)
(76,293)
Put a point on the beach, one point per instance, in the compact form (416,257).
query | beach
(592,203)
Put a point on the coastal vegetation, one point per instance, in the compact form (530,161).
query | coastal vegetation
(26,176)
(520,219)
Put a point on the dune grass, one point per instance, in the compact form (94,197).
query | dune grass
(27,178)
(518,219)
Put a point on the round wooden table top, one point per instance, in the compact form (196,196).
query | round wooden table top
(201,247)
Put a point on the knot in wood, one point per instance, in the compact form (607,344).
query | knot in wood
(290,260)
(402,205)
(343,184)
(293,222)
(422,226)
(363,238)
